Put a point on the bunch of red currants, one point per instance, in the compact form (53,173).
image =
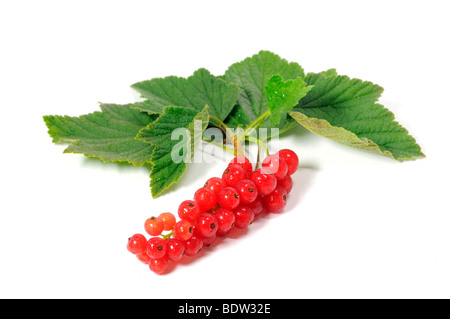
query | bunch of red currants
(232,201)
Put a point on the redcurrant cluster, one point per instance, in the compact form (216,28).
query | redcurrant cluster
(232,201)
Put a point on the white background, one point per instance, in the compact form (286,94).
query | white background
(357,225)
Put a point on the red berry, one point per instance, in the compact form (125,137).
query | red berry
(175,249)
(168,220)
(154,226)
(264,180)
(206,225)
(277,165)
(247,191)
(156,247)
(291,160)
(225,219)
(275,201)
(208,240)
(243,217)
(286,183)
(244,162)
(215,184)
(137,244)
(189,210)
(229,198)
(193,246)
(256,206)
(233,174)
(143,257)
(183,230)
(159,265)
(205,199)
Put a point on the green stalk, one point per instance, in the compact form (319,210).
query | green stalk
(253,125)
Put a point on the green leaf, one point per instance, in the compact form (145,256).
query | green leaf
(170,156)
(198,90)
(347,111)
(252,75)
(283,95)
(108,135)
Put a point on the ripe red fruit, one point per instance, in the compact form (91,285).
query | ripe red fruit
(159,265)
(264,180)
(247,191)
(225,219)
(243,217)
(244,162)
(137,244)
(276,164)
(156,247)
(205,199)
(233,174)
(275,201)
(154,226)
(143,257)
(168,220)
(215,184)
(183,230)
(291,159)
(208,240)
(175,249)
(193,246)
(206,225)
(188,210)
(286,183)
(229,198)
(256,206)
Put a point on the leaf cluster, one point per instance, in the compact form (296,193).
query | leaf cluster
(261,91)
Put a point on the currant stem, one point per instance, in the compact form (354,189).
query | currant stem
(167,236)
(262,145)
(238,150)
(226,149)
(253,125)
(221,125)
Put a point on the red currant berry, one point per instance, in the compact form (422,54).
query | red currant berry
(205,199)
(154,226)
(275,201)
(175,249)
(286,183)
(159,265)
(233,174)
(243,217)
(244,162)
(225,219)
(215,184)
(143,257)
(183,230)
(206,225)
(208,240)
(291,160)
(229,198)
(168,220)
(137,244)
(264,180)
(156,247)
(247,191)
(193,246)
(276,164)
(256,206)
(189,210)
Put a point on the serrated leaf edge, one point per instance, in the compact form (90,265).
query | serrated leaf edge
(344,136)
(160,192)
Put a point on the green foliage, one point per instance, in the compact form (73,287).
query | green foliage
(261,91)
